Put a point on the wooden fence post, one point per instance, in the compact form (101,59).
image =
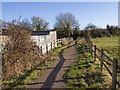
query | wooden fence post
(101,61)
(94,53)
(57,42)
(41,49)
(54,43)
(61,41)
(114,73)
(91,50)
(51,45)
(46,48)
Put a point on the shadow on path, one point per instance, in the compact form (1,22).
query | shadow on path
(21,78)
(51,78)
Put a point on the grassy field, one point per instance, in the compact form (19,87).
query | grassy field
(108,44)
(85,73)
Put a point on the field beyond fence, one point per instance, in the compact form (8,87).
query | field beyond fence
(111,64)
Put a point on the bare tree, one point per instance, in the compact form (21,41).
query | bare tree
(91,26)
(67,22)
(39,23)
(25,23)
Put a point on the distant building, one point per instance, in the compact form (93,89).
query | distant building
(45,40)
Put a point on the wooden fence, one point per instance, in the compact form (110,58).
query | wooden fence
(43,48)
(50,46)
(102,58)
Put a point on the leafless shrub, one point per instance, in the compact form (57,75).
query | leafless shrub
(20,53)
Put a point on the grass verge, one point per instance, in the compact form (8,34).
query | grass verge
(110,46)
(84,73)
(32,75)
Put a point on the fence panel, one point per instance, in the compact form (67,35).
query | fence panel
(114,73)
(94,53)
(101,61)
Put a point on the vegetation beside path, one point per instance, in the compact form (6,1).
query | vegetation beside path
(108,44)
(84,73)
(34,74)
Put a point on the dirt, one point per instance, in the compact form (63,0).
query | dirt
(53,75)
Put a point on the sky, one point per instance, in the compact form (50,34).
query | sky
(98,13)
(119,14)
(60,0)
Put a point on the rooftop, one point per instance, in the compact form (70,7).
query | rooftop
(40,32)
(33,32)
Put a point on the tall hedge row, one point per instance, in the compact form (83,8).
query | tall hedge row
(20,53)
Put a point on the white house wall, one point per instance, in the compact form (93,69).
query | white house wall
(40,40)
(46,41)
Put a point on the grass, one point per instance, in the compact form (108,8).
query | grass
(32,75)
(84,73)
(109,45)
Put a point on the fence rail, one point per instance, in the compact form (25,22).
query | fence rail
(50,46)
(108,58)
(118,66)
(102,57)
(98,49)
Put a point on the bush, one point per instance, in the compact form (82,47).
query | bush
(76,34)
(67,41)
(20,53)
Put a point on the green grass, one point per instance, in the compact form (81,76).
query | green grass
(108,44)
(84,73)
(34,74)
